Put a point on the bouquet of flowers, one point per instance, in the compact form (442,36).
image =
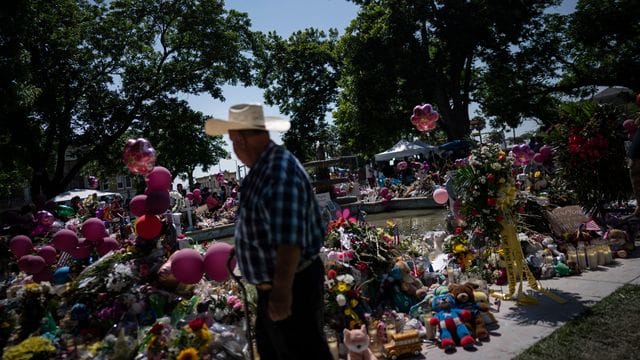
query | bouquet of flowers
(488,192)
(369,249)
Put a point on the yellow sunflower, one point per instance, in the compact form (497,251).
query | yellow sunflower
(188,354)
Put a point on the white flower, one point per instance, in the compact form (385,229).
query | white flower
(347,278)
(329,283)
(482,179)
(341,300)
(496,166)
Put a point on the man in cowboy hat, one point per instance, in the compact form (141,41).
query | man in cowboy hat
(278,236)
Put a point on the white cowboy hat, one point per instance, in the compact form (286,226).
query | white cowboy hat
(245,117)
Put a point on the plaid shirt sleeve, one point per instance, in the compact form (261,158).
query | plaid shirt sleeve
(289,208)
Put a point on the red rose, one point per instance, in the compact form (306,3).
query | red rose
(499,218)
(196,324)
(331,274)
(457,231)
(491,201)
(491,178)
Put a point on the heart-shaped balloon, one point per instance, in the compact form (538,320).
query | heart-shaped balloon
(424,117)
(139,156)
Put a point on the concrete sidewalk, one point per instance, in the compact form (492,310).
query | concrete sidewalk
(521,326)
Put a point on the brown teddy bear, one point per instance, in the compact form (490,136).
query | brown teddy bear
(409,283)
(465,299)
(619,242)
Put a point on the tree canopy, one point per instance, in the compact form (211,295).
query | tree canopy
(300,75)
(78,75)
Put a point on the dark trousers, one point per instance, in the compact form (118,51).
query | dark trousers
(301,335)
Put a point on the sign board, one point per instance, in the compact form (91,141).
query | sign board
(567,218)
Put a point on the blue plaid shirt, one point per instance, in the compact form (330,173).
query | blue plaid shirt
(277,206)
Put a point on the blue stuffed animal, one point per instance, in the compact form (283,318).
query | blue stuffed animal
(450,321)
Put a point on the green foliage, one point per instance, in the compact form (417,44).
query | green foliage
(589,152)
(77,75)
(300,76)
(604,38)
(515,82)
(398,54)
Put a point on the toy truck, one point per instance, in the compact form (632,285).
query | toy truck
(403,343)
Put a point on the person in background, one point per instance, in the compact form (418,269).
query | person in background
(634,167)
(279,233)
(181,190)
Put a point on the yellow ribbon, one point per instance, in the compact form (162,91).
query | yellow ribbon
(517,268)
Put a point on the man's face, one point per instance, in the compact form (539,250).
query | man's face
(239,142)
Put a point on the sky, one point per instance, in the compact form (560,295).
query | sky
(286,17)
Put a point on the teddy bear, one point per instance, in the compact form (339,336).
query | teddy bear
(408,283)
(450,320)
(465,299)
(619,243)
(357,343)
(483,298)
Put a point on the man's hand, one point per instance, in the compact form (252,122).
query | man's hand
(281,296)
(279,303)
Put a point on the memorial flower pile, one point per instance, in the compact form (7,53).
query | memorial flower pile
(367,248)
(487,190)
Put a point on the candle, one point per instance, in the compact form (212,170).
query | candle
(431,331)
(333,348)
(582,256)
(592,255)
(601,256)
(608,257)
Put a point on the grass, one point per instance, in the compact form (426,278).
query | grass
(608,330)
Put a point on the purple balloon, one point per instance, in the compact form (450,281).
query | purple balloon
(187,266)
(65,240)
(93,229)
(159,179)
(137,205)
(215,261)
(106,245)
(20,245)
(49,254)
(31,264)
(83,250)
(157,202)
